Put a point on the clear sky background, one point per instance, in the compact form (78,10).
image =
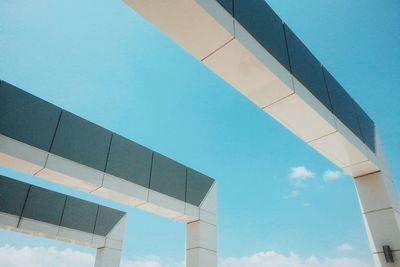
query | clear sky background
(277,202)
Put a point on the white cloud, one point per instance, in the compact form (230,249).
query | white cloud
(330,175)
(51,256)
(298,175)
(273,259)
(345,248)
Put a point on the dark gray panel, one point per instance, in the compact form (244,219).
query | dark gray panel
(44,205)
(342,104)
(264,25)
(79,215)
(367,126)
(106,219)
(27,118)
(197,187)
(227,4)
(306,68)
(129,161)
(81,141)
(168,177)
(13,194)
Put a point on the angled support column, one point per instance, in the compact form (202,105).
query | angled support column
(201,235)
(379,205)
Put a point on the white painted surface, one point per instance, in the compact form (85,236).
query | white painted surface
(70,173)
(188,23)
(123,191)
(20,156)
(200,257)
(108,257)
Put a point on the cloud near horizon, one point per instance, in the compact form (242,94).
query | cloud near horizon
(51,256)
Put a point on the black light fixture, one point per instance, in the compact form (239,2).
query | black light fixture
(388,254)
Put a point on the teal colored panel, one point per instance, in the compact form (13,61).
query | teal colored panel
(82,141)
(44,205)
(27,118)
(79,215)
(168,177)
(342,104)
(13,194)
(258,18)
(197,187)
(107,218)
(367,126)
(129,160)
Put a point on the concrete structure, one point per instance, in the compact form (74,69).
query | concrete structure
(43,140)
(37,211)
(251,48)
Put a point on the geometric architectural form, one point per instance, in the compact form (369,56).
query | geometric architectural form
(37,211)
(43,140)
(246,44)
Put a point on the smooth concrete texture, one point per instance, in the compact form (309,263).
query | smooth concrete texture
(108,257)
(122,191)
(201,235)
(379,204)
(21,156)
(70,173)
(188,23)
(344,149)
(303,114)
(249,68)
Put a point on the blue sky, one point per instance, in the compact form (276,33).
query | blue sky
(102,61)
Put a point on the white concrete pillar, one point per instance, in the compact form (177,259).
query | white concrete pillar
(201,235)
(379,205)
(109,255)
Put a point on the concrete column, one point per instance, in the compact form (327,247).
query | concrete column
(201,235)
(109,255)
(379,205)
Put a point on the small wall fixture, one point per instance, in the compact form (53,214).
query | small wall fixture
(388,254)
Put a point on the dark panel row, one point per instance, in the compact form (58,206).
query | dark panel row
(258,18)
(279,40)
(306,68)
(69,136)
(21,199)
(27,118)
